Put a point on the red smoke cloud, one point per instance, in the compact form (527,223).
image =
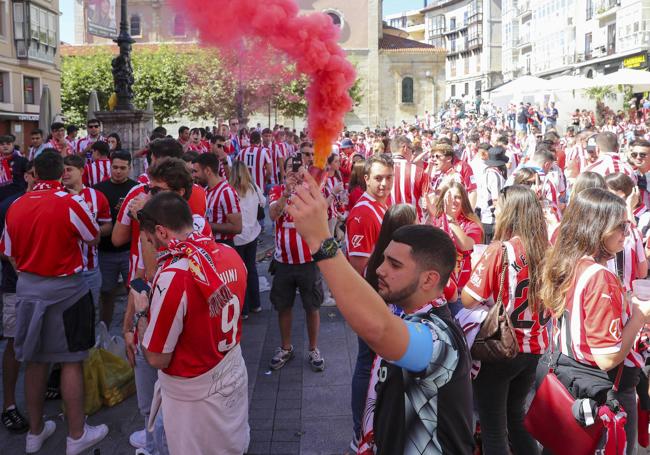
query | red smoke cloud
(311,41)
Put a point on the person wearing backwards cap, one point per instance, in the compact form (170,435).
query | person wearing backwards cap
(493,180)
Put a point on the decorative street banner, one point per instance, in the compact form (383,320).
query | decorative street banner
(100,17)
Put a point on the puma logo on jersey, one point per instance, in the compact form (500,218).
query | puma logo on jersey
(356,240)
(160,290)
(357,219)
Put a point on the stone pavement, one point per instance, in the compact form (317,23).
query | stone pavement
(292,411)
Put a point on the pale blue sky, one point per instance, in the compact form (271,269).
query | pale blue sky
(67,17)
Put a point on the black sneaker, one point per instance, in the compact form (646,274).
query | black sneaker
(14,421)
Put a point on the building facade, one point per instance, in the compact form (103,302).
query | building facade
(400,77)
(29,61)
(150,21)
(548,38)
(470,30)
(412,22)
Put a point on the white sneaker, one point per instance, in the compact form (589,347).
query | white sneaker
(141,452)
(92,435)
(329,301)
(138,439)
(34,442)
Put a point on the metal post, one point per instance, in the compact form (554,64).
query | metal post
(122,69)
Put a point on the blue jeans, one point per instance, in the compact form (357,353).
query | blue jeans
(248,254)
(360,381)
(145,379)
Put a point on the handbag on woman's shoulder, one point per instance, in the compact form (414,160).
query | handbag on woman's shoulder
(496,339)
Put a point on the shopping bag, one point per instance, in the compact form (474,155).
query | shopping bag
(93,371)
(118,380)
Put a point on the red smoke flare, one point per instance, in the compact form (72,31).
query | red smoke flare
(311,41)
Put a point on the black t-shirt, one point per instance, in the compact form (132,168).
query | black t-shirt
(522,117)
(115,193)
(405,400)
(9,277)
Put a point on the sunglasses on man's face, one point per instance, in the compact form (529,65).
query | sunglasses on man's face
(93,126)
(153,190)
(636,155)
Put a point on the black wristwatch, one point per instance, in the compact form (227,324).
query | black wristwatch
(327,250)
(137,316)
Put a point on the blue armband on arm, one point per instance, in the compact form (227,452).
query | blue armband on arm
(419,350)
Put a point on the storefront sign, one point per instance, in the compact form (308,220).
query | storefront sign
(635,61)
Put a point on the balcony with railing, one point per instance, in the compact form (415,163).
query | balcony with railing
(524,11)
(606,9)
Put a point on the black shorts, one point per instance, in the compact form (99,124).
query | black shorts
(304,277)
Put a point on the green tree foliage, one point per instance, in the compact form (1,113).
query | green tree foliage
(198,83)
(159,75)
(81,75)
(162,77)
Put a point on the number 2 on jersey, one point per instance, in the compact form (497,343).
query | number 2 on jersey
(521,308)
(229,324)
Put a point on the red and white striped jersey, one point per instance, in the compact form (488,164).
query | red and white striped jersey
(256,158)
(198,148)
(222,200)
(290,248)
(44,230)
(72,143)
(180,320)
(338,206)
(124,218)
(98,205)
(363,226)
(197,203)
(64,149)
(85,142)
(143,178)
(276,154)
(595,314)
(410,183)
(96,172)
(577,154)
(626,263)
(530,328)
(611,164)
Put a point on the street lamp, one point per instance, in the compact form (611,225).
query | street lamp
(122,69)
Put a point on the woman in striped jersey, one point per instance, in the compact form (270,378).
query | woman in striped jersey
(596,325)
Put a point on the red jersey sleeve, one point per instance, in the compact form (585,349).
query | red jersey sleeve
(198,203)
(468,178)
(484,280)
(166,314)
(274,194)
(473,231)
(361,233)
(123,215)
(602,306)
(81,220)
(103,210)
